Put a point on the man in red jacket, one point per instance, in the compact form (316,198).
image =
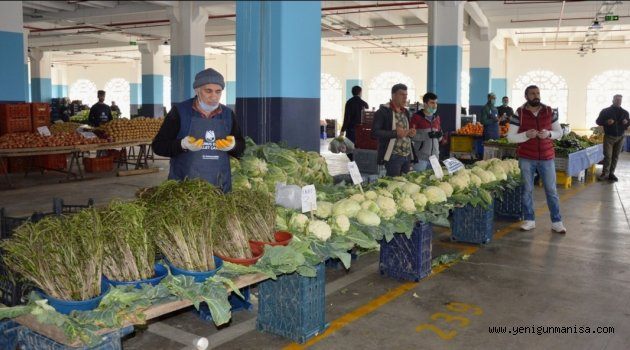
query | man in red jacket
(534,127)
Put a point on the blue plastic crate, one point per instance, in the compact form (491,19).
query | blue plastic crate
(12,334)
(8,334)
(236,302)
(408,258)
(473,224)
(293,306)
(509,205)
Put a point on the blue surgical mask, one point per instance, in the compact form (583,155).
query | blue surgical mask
(492,102)
(207,108)
(430,111)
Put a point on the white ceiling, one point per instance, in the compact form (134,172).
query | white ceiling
(102,30)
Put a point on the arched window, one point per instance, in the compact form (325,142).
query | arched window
(601,90)
(166,90)
(330,102)
(465,90)
(553,90)
(117,90)
(380,88)
(85,91)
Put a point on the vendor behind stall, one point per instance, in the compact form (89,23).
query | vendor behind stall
(100,113)
(490,119)
(200,134)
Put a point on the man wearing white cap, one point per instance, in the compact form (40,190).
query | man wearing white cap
(200,134)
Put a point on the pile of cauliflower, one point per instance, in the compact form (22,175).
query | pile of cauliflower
(401,195)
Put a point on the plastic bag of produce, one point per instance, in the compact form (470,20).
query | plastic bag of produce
(341,145)
(289,196)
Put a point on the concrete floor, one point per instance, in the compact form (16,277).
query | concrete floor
(534,278)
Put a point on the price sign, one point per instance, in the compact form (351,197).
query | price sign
(355,174)
(437,168)
(453,165)
(43,130)
(309,198)
(87,134)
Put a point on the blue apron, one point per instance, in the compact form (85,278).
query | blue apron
(209,163)
(491,132)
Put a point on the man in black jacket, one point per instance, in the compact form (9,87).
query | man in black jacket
(615,121)
(505,111)
(352,115)
(100,113)
(391,128)
(353,112)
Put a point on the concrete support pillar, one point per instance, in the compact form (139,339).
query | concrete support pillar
(13,60)
(135,91)
(356,73)
(277,42)
(41,82)
(480,72)
(446,21)
(59,77)
(152,80)
(188,29)
(499,80)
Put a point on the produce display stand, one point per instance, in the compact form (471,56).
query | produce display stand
(293,306)
(56,334)
(407,258)
(508,204)
(77,152)
(472,224)
(466,146)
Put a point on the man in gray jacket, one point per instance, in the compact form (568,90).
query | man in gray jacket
(426,142)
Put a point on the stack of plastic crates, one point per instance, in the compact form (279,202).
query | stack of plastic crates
(473,224)
(508,204)
(293,306)
(408,258)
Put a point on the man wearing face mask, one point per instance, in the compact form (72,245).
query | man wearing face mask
(200,134)
(505,111)
(426,142)
(534,127)
(490,119)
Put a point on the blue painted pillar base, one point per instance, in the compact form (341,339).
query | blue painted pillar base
(183,71)
(134,109)
(152,111)
(41,90)
(291,120)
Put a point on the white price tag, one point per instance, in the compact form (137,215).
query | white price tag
(453,165)
(87,134)
(437,168)
(309,198)
(355,174)
(43,130)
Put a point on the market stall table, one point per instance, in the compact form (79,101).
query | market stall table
(77,152)
(55,333)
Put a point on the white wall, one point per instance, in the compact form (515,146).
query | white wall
(576,70)
(100,74)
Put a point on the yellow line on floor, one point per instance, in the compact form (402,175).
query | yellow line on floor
(363,310)
(402,289)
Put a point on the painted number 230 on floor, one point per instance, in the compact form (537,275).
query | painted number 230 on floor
(455,319)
